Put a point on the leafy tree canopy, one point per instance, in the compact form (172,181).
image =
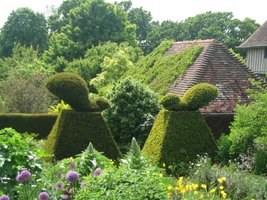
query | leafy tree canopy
(87,23)
(24,27)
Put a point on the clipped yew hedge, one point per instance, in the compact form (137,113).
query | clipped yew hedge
(179,137)
(73,131)
(32,123)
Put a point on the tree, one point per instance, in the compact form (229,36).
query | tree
(132,112)
(167,30)
(24,27)
(221,26)
(89,23)
(142,19)
(94,58)
(22,84)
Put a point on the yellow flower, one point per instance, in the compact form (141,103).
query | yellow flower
(183,191)
(195,186)
(221,187)
(221,180)
(161,175)
(224,195)
(204,186)
(212,190)
(169,187)
(180,180)
(163,165)
(195,192)
(201,196)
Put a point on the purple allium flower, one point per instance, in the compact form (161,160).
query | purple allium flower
(97,172)
(72,165)
(83,184)
(59,186)
(4,197)
(59,175)
(43,196)
(23,176)
(72,176)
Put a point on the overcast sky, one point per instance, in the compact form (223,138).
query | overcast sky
(176,10)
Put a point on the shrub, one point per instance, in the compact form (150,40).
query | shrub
(73,131)
(71,88)
(250,123)
(16,153)
(56,109)
(179,137)
(237,185)
(133,107)
(135,178)
(171,102)
(261,155)
(199,95)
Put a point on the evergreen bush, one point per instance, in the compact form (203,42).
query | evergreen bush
(71,88)
(73,131)
(171,102)
(179,137)
(199,95)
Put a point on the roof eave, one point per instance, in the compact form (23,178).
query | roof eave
(252,46)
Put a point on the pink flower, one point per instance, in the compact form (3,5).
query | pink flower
(97,172)
(59,186)
(72,165)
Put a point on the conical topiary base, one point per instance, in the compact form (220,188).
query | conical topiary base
(179,137)
(73,131)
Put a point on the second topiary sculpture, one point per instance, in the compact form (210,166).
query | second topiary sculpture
(180,136)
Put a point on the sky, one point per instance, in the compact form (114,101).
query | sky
(175,10)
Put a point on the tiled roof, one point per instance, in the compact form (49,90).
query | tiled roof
(257,39)
(215,65)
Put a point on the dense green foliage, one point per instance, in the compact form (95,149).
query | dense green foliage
(16,153)
(171,102)
(179,137)
(248,132)
(86,23)
(73,131)
(71,88)
(94,59)
(133,108)
(199,95)
(237,185)
(24,27)
(135,178)
(159,71)
(112,71)
(41,124)
(218,25)
(22,80)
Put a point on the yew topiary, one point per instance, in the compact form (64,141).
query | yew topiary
(171,102)
(179,137)
(71,88)
(199,95)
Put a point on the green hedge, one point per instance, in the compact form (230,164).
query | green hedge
(73,131)
(32,123)
(179,137)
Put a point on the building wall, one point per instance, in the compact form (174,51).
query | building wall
(256,61)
